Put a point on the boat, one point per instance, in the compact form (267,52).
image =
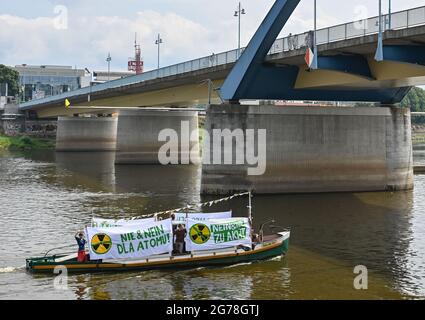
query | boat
(272,246)
(259,248)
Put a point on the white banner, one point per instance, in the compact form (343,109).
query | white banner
(109,223)
(181,217)
(130,242)
(217,233)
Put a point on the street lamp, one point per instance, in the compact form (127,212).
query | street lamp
(238,15)
(315,51)
(158,43)
(379,56)
(108,60)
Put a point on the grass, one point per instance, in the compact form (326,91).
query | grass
(24,143)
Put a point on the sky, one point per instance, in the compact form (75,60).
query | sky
(81,33)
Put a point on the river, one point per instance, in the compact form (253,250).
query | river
(46,196)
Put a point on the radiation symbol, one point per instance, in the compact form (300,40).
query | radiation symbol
(101,243)
(199,233)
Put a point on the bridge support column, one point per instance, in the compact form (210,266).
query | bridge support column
(86,134)
(138,137)
(399,148)
(312,149)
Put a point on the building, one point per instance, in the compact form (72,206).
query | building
(43,81)
(3,102)
(4,97)
(104,76)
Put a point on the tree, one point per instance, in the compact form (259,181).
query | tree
(11,77)
(415,100)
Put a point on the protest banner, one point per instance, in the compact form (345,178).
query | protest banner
(130,242)
(217,233)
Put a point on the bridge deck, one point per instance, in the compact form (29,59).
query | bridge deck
(355,37)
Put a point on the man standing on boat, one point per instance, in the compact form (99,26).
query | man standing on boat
(180,234)
(79,236)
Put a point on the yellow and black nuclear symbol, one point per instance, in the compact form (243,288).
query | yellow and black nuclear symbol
(199,233)
(101,243)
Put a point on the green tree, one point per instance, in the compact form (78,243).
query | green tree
(415,100)
(11,77)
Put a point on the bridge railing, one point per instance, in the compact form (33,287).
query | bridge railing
(399,20)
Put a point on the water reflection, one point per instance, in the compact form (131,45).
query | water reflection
(419,154)
(215,285)
(412,260)
(141,288)
(191,284)
(93,171)
(168,187)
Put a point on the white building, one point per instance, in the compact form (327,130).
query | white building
(42,81)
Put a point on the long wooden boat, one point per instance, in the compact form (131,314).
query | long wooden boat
(272,246)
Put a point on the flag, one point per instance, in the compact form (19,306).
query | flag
(309,57)
(67,103)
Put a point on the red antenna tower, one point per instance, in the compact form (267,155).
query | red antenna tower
(136,63)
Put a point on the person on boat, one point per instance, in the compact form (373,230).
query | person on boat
(255,240)
(79,237)
(180,234)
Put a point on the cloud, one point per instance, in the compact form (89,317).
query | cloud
(189,28)
(87,41)
(18,39)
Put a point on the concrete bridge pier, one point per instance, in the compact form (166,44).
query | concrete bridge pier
(86,134)
(144,134)
(399,148)
(311,149)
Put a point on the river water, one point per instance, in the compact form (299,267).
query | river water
(45,197)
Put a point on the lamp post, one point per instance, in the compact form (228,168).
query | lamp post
(238,15)
(389,15)
(314,65)
(158,43)
(210,89)
(108,60)
(379,56)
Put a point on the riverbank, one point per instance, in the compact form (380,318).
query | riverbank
(418,134)
(25,143)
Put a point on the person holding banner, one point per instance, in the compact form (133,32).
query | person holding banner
(79,237)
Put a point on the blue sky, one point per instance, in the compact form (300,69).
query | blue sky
(189,28)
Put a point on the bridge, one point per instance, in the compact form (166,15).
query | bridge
(305,149)
(347,71)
